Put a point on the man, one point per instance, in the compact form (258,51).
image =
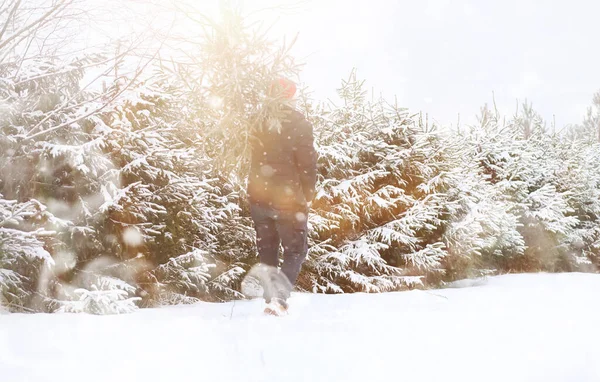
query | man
(281,187)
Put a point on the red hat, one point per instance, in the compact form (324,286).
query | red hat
(287,86)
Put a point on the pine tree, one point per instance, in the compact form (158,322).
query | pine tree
(521,161)
(380,201)
(51,156)
(138,190)
(22,254)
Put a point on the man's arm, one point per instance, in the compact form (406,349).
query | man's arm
(306,158)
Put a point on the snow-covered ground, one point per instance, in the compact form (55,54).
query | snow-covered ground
(512,328)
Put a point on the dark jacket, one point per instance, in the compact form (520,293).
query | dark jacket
(283,172)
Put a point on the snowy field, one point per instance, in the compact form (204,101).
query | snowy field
(512,328)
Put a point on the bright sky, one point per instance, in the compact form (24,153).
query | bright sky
(447,57)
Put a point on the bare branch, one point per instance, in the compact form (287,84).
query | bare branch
(25,36)
(3,7)
(67,70)
(63,4)
(11,14)
(139,71)
(67,101)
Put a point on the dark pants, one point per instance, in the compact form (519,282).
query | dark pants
(288,228)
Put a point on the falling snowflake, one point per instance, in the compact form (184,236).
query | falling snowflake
(64,261)
(132,237)
(267,171)
(300,216)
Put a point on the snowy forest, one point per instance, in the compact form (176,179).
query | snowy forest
(123,174)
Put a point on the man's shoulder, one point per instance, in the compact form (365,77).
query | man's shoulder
(296,117)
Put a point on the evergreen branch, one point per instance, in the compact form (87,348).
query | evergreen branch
(17,213)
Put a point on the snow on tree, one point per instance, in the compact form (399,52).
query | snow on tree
(481,226)
(22,253)
(379,204)
(579,178)
(111,301)
(209,108)
(579,175)
(156,200)
(232,70)
(55,153)
(135,195)
(51,154)
(589,130)
(521,160)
